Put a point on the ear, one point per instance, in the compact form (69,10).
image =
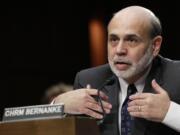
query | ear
(156,45)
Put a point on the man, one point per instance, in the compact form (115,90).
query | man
(134,42)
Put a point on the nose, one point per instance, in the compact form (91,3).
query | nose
(121,49)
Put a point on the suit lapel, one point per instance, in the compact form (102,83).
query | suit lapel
(140,124)
(112,90)
(155,73)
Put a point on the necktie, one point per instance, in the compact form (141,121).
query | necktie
(126,119)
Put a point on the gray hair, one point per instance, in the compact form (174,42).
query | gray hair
(156,28)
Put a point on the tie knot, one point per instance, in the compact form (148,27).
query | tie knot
(131,89)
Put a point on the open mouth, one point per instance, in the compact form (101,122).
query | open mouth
(122,65)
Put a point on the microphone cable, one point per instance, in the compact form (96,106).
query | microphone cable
(108,81)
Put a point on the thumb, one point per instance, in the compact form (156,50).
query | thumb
(157,87)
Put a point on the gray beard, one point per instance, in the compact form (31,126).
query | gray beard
(136,68)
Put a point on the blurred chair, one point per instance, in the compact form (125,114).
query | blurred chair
(55,90)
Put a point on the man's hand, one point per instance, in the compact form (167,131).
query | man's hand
(80,101)
(150,106)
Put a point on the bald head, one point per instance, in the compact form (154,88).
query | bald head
(140,15)
(137,10)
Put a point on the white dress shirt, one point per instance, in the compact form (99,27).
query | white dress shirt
(123,93)
(172,118)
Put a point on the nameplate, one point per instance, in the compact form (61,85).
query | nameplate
(33,112)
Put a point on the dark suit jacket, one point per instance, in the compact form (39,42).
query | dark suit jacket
(165,71)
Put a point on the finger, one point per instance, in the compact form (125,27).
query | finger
(134,108)
(137,114)
(157,87)
(94,106)
(106,104)
(139,96)
(103,96)
(88,86)
(92,113)
(137,102)
(94,92)
(107,111)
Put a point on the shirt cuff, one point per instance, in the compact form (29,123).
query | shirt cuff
(172,118)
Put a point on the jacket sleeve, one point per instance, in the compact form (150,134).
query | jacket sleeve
(76,82)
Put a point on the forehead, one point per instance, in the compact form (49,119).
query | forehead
(129,24)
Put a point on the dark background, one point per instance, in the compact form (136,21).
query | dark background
(46,43)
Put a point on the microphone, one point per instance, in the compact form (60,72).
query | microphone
(107,82)
(98,98)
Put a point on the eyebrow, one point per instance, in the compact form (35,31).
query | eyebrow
(113,35)
(132,36)
(126,36)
